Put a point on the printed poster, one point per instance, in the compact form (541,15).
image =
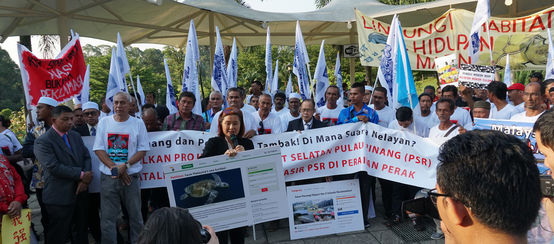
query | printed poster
(324,208)
(447,68)
(17,230)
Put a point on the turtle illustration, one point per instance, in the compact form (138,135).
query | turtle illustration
(204,188)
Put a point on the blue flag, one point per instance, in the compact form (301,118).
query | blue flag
(407,94)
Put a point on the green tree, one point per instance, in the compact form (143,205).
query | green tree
(11,94)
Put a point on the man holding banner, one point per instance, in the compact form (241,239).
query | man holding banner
(359,111)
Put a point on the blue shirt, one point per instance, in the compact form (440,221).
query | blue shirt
(350,115)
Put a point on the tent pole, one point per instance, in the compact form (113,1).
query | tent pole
(212,37)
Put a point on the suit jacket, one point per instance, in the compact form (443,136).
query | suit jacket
(218,145)
(298,124)
(62,165)
(82,130)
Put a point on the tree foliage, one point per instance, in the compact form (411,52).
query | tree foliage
(11,94)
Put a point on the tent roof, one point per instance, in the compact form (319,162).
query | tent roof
(141,21)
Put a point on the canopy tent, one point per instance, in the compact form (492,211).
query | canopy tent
(166,22)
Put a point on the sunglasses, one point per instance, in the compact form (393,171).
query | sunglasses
(261,130)
(89,113)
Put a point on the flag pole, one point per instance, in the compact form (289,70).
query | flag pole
(490,40)
(135,92)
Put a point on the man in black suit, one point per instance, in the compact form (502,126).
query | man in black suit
(91,114)
(307,120)
(67,173)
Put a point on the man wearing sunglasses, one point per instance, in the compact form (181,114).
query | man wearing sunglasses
(488,188)
(267,121)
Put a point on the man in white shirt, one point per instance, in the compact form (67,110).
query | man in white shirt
(533,97)
(294,110)
(329,113)
(405,121)
(246,107)
(386,113)
(91,114)
(497,95)
(266,121)
(515,94)
(426,116)
(234,99)
(445,129)
(460,115)
(279,100)
(121,142)
(367,95)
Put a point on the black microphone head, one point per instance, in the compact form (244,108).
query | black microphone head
(234,139)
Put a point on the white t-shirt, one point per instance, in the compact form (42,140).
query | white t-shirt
(437,135)
(121,140)
(462,116)
(246,116)
(521,117)
(248,108)
(505,113)
(420,128)
(13,139)
(286,118)
(280,113)
(329,116)
(272,123)
(520,107)
(429,120)
(386,115)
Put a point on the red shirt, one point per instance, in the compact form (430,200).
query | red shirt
(11,187)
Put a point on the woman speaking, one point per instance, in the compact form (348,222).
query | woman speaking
(229,142)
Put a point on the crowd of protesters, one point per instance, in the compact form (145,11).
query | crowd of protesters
(487,182)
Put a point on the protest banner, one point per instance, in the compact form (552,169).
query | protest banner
(324,208)
(521,130)
(447,68)
(230,192)
(18,229)
(60,78)
(475,76)
(385,153)
(522,37)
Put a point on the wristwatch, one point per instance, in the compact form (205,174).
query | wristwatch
(127,164)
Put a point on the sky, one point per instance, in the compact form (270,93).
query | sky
(10,44)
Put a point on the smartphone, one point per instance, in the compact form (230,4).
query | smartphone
(547,186)
(422,206)
(206,236)
(114,171)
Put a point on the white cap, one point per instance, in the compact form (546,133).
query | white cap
(295,95)
(368,88)
(48,101)
(90,105)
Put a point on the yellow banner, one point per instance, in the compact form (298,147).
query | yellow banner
(17,230)
(524,38)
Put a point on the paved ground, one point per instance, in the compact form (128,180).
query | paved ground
(377,233)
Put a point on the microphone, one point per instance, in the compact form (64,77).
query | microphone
(234,140)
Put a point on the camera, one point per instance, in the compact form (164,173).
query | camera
(206,236)
(547,186)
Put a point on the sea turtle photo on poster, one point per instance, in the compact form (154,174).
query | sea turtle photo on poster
(208,188)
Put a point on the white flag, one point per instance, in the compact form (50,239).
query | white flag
(232,66)
(85,92)
(268,61)
(550,60)
(338,74)
(140,92)
(275,79)
(508,72)
(482,14)
(190,78)
(114,80)
(123,63)
(386,71)
(288,91)
(170,92)
(322,77)
(219,76)
(193,39)
(299,67)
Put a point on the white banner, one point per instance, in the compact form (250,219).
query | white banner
(385,153)
(230,192)
(324,208)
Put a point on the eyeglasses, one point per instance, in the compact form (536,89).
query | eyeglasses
(433,194)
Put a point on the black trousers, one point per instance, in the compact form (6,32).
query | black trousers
(386,196)
(68,221)
(400,193)
(94,216)
(43,211)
